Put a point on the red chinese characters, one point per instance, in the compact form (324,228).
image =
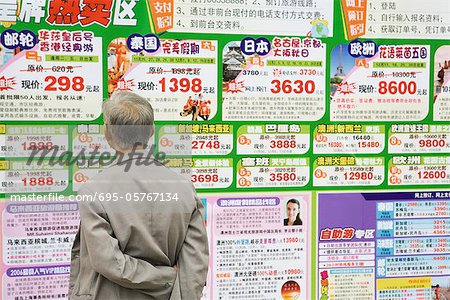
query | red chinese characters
(71,12)
(337,234)
(63,12)
(98,11)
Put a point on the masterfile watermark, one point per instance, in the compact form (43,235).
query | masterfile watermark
(97,196)
(139,155)
(33,197)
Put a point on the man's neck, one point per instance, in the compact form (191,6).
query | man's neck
(130,151)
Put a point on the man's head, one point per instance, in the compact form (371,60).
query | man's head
(129,121)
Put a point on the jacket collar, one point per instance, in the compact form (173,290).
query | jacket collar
(141,155)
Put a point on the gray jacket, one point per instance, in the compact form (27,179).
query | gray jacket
(143,248)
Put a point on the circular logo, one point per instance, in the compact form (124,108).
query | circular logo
(135,42)
(10,39)
(27,40)
(290,290)
(151,43)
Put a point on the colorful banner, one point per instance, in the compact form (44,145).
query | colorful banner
(316,133)
(383,245)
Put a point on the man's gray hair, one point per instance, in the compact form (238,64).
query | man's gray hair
(129,118)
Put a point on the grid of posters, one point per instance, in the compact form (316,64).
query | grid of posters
(316,133)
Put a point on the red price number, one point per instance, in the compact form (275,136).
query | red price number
(394,87)
(283,177)
(335,144)
(432,175)
(432,143)
(440,258)
(296,87)
(358,176)
(198,145)
(283,144)
(183,85)
(40,181)
(64,83)
(371,144)
(291,240)
(205,178)
(37,146)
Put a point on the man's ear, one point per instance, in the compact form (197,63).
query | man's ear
(106,130)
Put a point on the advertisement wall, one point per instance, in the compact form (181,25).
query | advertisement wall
(337,109)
